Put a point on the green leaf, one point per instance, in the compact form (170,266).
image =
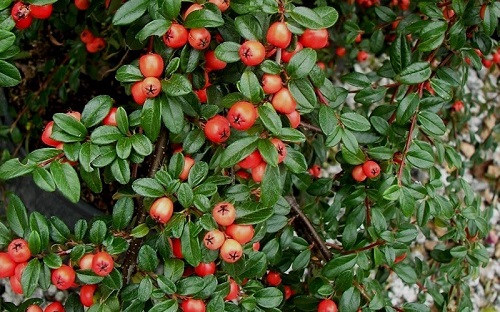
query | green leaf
(185,195)
(129,12)
(431,123)
(123,211)
(357,79)
(151,118)
(70,125)
(13,168)
(301,63)
(320,17)
(270,67)
(420,158)
(66,180)
(98,232)
(295,161)
(141,144)
(128,73)
(268,152)
(415,73)
(59,231)
(407,108)
(303,93)
(9,74)
(105,135)
(147,260)
(170,8)
(271,186)
(7,39)
(432,35)
(269,297)
(148,187)
(302,260)
(228,52)
(190,244)
(194,141)
(176,85)
(120,170)
(250,87)
(252,213)
(88,153)
(96,110)
(400,53)
(122,120)
(92,179)
(44,180)
(355,121)
(490,21)
(269,118)
(248,27)
(238,150)
(392,193)
(154,28)
(369,95)
(30,276)
(17,217)
(338,265)
(203,18)
(198,173)
(385,14)
(172,114)
(165,306)
(350,300)
(406,273)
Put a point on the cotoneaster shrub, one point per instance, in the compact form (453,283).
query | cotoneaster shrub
(217,155)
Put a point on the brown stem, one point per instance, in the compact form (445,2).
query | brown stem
(317,240)
(407,147)
(308,126)
(368,212)
(371,246)
(135,245)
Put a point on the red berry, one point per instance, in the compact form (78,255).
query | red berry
(223,5)
(86,36)
(279,35)
(217,129)
(7,265)
(242,233)
(214,239)
(199,38)
(151,87)
(47,132)
(19,251)
(231,251)
(234,290)
(224,213)
(314,38)
(177,248)
(110,119)
(87,295)
(242,115)
(96,45)
(193,305)
(271,83)
(54,307)
(161,210)
(294,118)
(24,23)
(34,308)
(280,148)
(252,53)
(85,262)
(371,169)
(283,101)
(188,163)
(102,263)
(327,305)
(340,51)
(63,277)
(212,62)
(151,65)
(41,11)
(358,174)
(16,286)
(176,36)
(251,161)
(204,269)
(82,4)
(258,172)
(362,56)
(137,94)
(273,278)
(286,56)
(192,8)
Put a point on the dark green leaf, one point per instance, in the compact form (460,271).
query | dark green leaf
(129,12)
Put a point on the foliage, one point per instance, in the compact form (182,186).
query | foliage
(328,236)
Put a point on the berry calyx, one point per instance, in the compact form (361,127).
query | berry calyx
(252,53)
(217,129)
(151,87)
(161,210)
(242,115)
(19,251)
(199,38)
(231,251)
(63,277)
(102,263)
(371,169)
(224,213)
(214,239)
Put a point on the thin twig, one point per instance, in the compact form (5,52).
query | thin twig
(317,240)
(310,127)
(368,247)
